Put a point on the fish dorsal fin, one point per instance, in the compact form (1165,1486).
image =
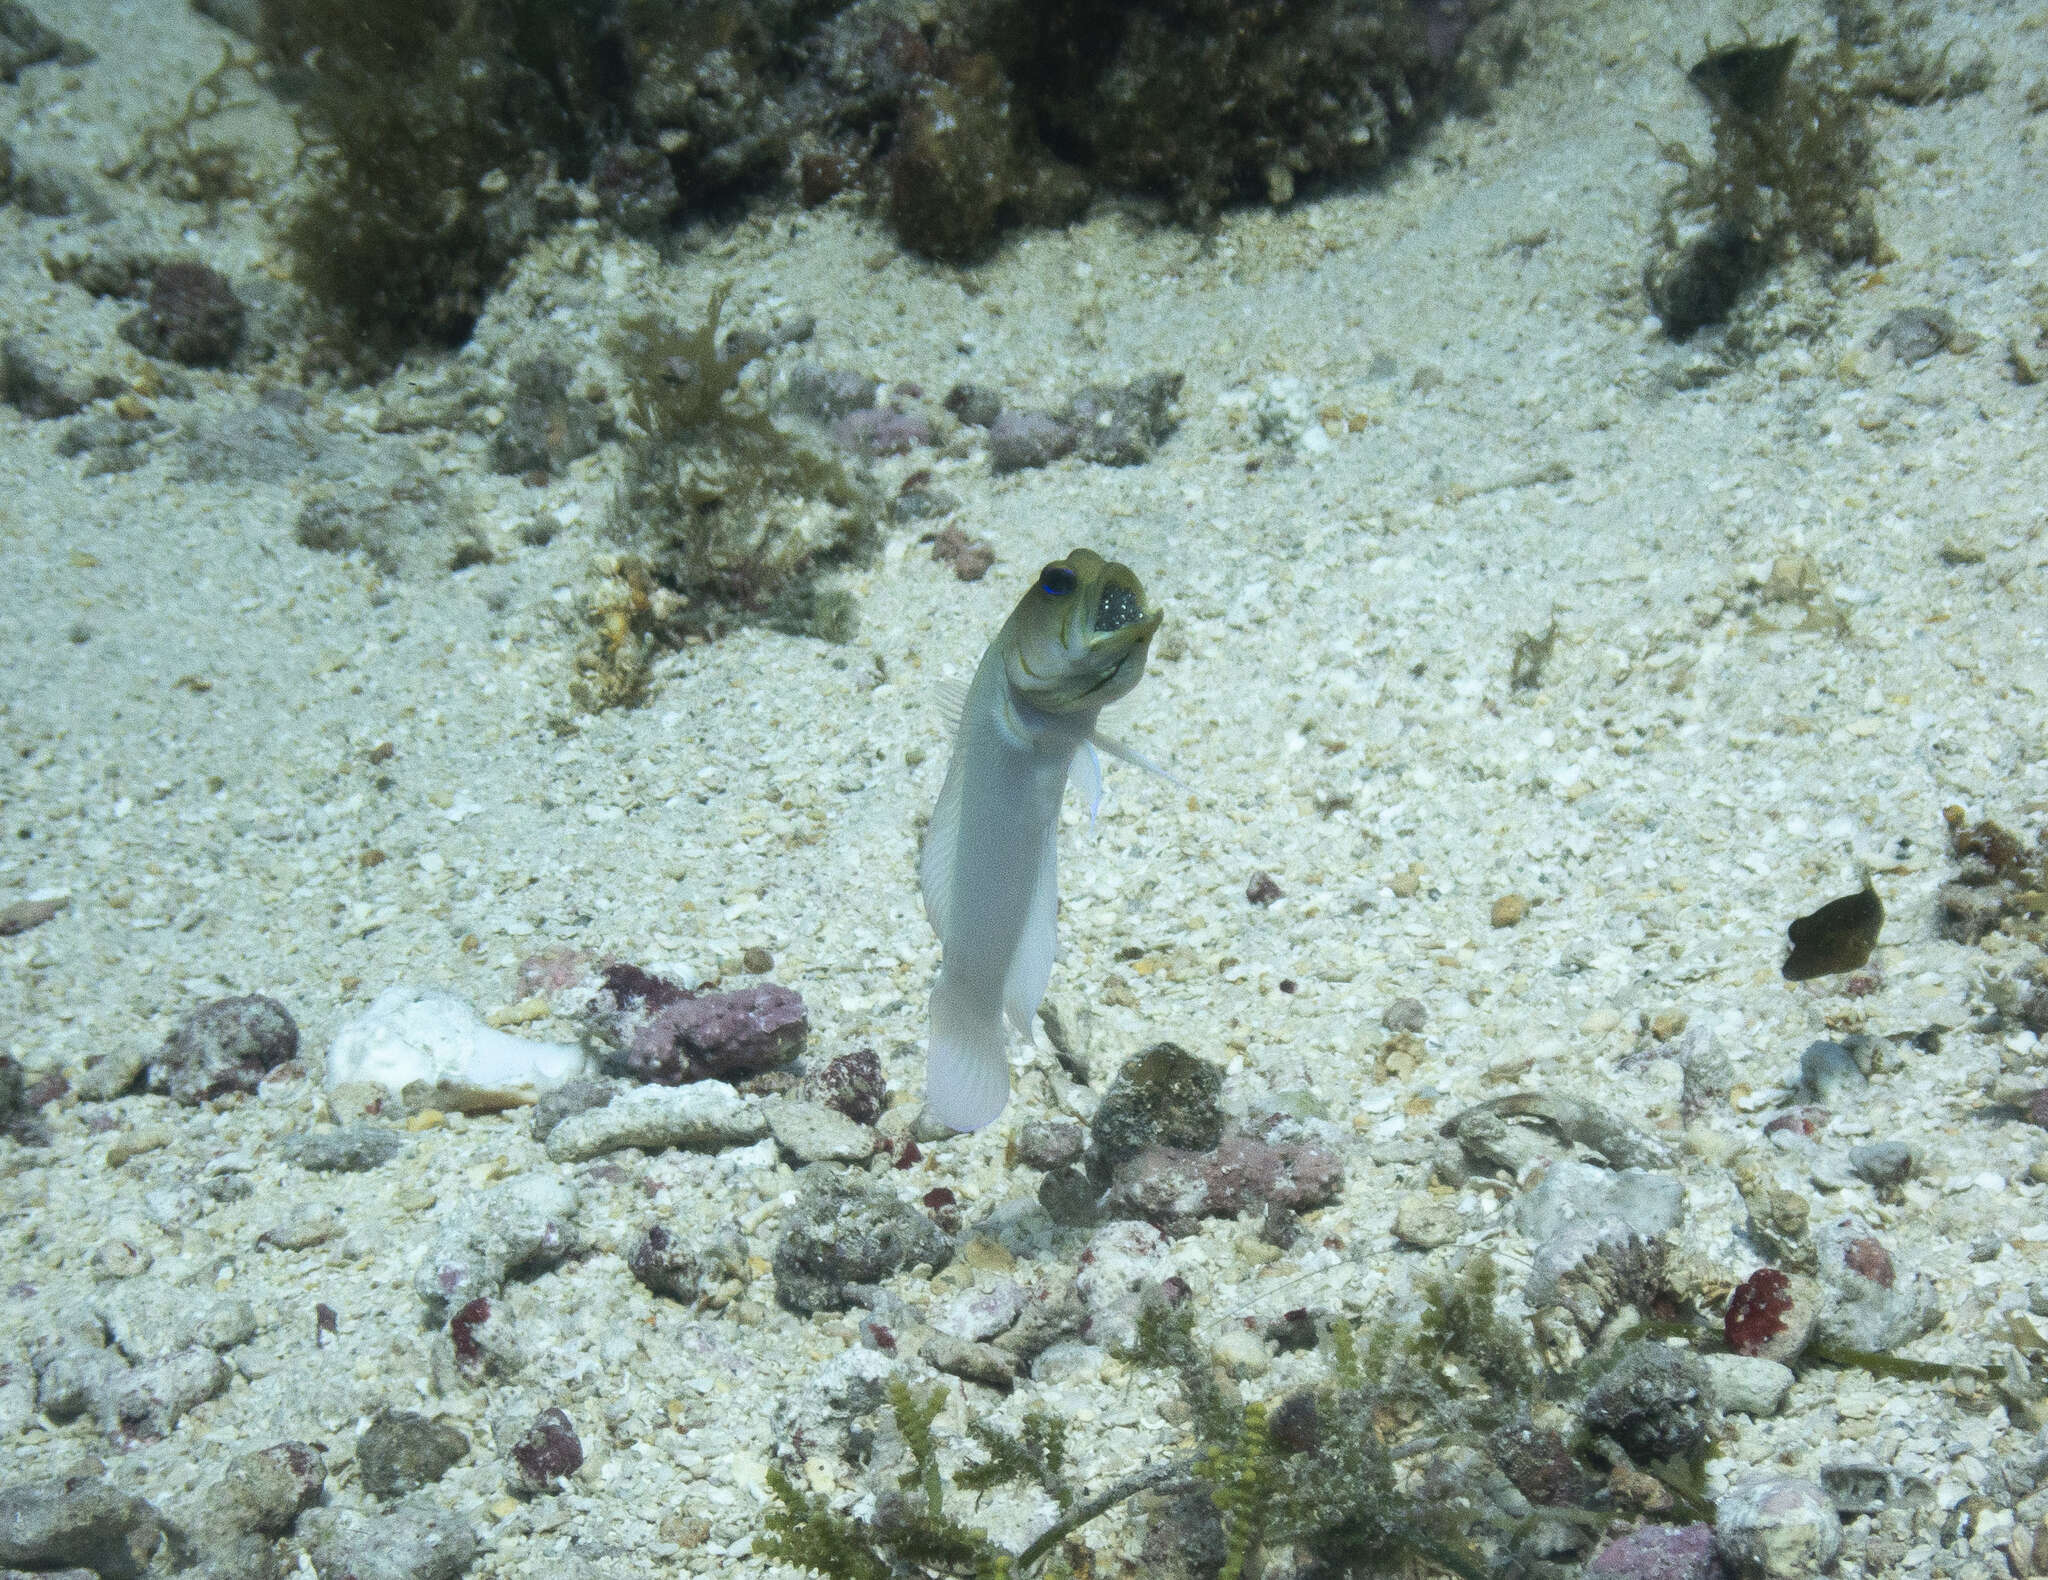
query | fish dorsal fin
(1031,966)
(952,699)
(941,846)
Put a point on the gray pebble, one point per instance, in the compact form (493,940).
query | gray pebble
(1748,1384)
(1870,1302)
(1018,440)
(1828,1074)
(349,1149)
(812,1133)
(525,1221)
(971,1362)
(1048,1144)
(568,1100)
(1778,1528)
(267,1490)
(1405,1015)
(401,1451)
(406,1544)
(1884,1164)
(1426,1221)
(845,1232)
(79,1520)
(151,1319)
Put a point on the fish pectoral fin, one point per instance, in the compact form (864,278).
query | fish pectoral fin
(952,700)
(1031,966)
(1137,759)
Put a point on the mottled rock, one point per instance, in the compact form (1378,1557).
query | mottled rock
(688,1270)
(405,1544)
(547,1453)
(983,1312)
(1886,1165)
(1123,425)
(852,1084)
(401,1451)
(1049,1144)
(1595,1267)
(266,1490)
(1124,1265)
(225,1046)
(525,1222)
(1830,1075)
(193,316)
(151,1319)
(1656,1401)
(1871,1489)
(1748,1384)
(346,1149)
(1018,440)
(1867,1304)
(545,427)
(1163,1097)
(812,1133)
(142,1404)
(1778,1527)
(1426,1221)
(568,1100)
(1659,1552)
(1772,1314)
(1264,1164)
(827,394)
(844,1233)
(79,1520)
(982,1364)
(1648,1203)
(659,1031)
(705,1117)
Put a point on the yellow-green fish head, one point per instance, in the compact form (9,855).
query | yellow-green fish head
(1079,637)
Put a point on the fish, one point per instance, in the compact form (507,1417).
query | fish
(1076,642)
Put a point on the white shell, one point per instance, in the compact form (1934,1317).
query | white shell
(417,1034)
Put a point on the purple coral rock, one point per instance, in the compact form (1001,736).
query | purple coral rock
(1020,439)
(226,1046)
(877,430)
(664,1033)
(1659,1552)
(1250,1166)
(548,1452)
(853,1084)
(193,317)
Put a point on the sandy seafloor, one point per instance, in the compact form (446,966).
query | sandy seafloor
(1684,782)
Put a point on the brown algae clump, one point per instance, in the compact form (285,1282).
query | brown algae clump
(733,515)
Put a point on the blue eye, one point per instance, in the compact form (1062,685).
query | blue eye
(1056,581)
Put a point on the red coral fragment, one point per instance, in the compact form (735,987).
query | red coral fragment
(1867,1257)
(1756,1311)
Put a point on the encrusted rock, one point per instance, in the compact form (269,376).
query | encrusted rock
(404,1544)
(1647,1203)
(401,1451)
(684,1269)
(347,1149)
(78,1520)
(846,1233)
(813,1133)
(1124,1265)
(1772,1314)
(657,1030)
(193,317)
(1163,1097)
(568,1100)
(1748,1384)
(976,1363)
(705,1117)
(225,1046)
(1426,1222)
(1656,1401)
(1658,1552)
(1271,1162)
(1778,1528)
(1868,1304)
(852,1084)
(524,1222)
(547,1453)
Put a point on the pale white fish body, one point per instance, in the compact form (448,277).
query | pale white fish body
(991,856)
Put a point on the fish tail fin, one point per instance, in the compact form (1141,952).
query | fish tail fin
(967,1071)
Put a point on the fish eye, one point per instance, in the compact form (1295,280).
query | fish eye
(1056,581)
(1117,608)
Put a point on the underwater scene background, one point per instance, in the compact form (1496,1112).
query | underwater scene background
(1539,1070)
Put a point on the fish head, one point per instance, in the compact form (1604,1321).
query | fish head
(1078,639)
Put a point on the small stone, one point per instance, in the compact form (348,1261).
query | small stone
(401,1451)
(18,916)
(1917,333)
(1656,1401)
(1748,1384)
(1509,910)
(527,1221)
(78,1520)
(684,1269)
(1262,889)
(1829,1074)
(658,1031)
(1772,1314)
(1018,440)
(225,1046)
(1276,1161)
(139,1405)
(851,1084)
(565,1102)
(1123,425)
(1869,1305)
(1405,1016)
(266,1491)
(1124,1265)
(812,1133)
(134,1143)
(193,317)
(1427,1221)
(404,1544)
(1658,1552)
(1778,1527)
(976,1363)
(758,961)
(547,1453)
(303,1227)
(349,1149)
(118,1258)
(1163,1097)
(843,1233)
(1242,1353)
(1048,1144)
(705,1117)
